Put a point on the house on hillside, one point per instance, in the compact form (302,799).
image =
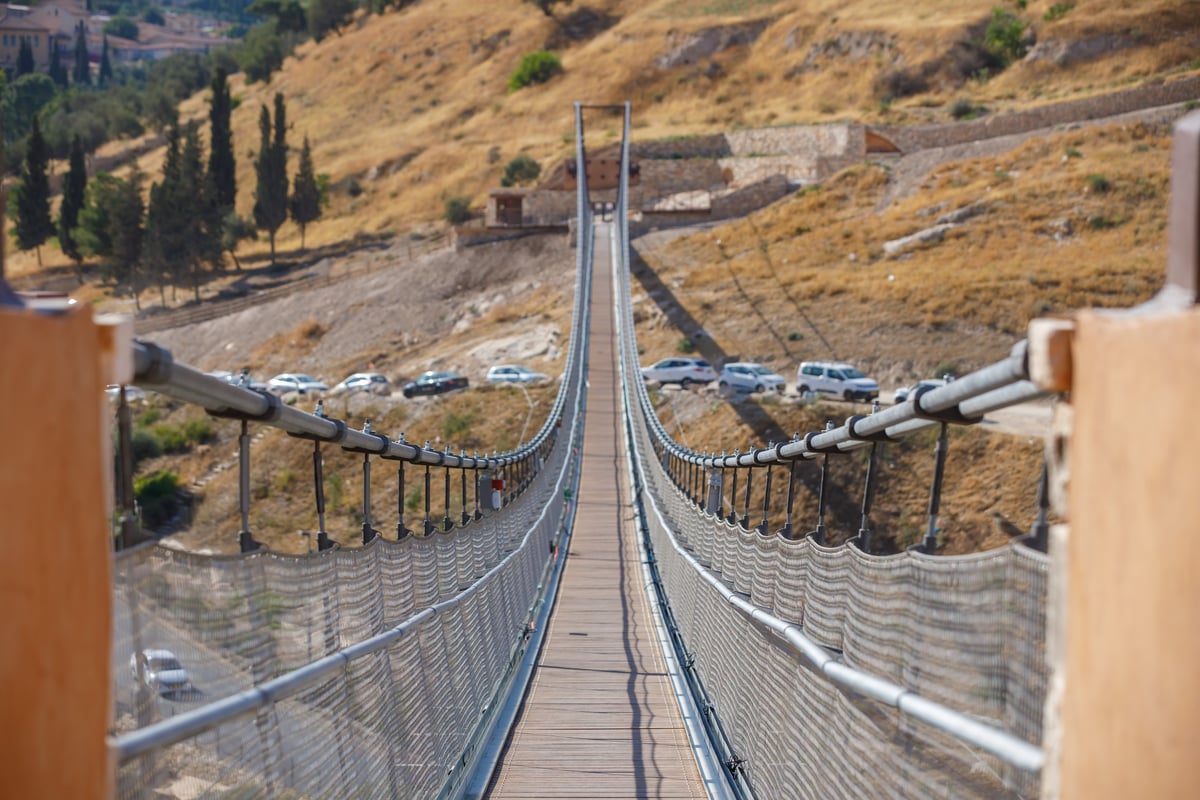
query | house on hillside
(16,27)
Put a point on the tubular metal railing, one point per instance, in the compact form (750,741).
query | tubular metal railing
(392,659)
(787,637)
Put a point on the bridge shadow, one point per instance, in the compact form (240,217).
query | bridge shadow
(841,506)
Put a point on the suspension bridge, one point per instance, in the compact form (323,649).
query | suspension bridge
(621,616)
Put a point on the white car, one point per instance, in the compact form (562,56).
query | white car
(132,393)
(836,379)
(369,382)
(235,379)
(906,392)
(748,376)
(514,373)
(295,382)
(684,371)
(161,671)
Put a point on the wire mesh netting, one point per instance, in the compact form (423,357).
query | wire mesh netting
(395,722)
(966,632)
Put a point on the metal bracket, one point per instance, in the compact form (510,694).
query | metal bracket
(810,447)
(273,412)
(851,428)
(946,415)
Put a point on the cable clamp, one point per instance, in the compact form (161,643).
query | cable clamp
(810,447)
(953,415)
(878,436)
(338,435)
(273,412)
(382,437)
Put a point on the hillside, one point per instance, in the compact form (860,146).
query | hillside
(407,109)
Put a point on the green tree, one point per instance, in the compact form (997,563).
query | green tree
(305,205)
(81,73)
(288,15)
(166,220)
(33,224)
(153,16)
(25,63)
(106,71)
(271,194)
(235,230)
(222,165)
(521,169)
(57,72)
(536,67)
(122,26)
(457,210)
(110,228)
(1004,37)
(328,15)
(74,193)
(261,52)
(202,242)
(27,97)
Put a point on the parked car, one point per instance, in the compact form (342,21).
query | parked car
(435,383)
(514,373)
(836,379)
(748,376)
(369,382)
(906,392)
(161,671)
(235,378)
(295,382)
(684,371)
(133,394)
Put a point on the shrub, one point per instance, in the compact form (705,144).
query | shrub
(685,345)
(521,169)
(536,67)
(155,495)
(456,427)
(963,108)
(144,445)
(1057,11)
(1004,37)
(170,437)
(198,431)
(457,210)
(1098,183)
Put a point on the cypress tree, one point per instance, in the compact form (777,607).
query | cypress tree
(106,72)
(271,194)
(25,63)
(222,167)
(33,225)
(166,221)
(57,72)
(202,229)
(74,191)
(305,204)
(81,73)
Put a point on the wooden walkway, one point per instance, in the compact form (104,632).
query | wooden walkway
(600,719)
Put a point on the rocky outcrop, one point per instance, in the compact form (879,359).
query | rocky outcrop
(688,48)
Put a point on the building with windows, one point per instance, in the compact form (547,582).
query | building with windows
(16,28)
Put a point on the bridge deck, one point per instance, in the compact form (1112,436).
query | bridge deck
(600,719)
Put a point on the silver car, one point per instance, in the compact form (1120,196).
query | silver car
(749,376)
(160,671)
(684,371)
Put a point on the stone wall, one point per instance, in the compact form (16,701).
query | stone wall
(662,178)
(798,140)
(711,146)
(922,137)
(751,198)
(745,171)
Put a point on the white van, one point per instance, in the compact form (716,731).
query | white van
(836,380)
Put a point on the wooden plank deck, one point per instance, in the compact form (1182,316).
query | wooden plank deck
(600,719)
